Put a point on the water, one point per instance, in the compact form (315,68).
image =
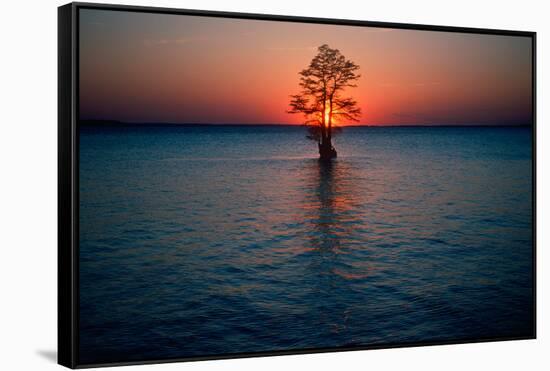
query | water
(214,240)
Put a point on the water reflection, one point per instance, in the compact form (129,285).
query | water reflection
(333,211)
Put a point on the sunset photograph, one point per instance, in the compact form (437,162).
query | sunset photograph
(249,186)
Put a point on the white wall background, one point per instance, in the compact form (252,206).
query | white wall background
(28,181)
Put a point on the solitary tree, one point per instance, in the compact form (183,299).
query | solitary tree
(321,100)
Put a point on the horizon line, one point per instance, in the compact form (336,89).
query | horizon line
(92,122)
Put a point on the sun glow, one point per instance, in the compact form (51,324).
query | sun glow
(328,117)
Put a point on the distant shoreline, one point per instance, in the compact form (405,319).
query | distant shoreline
(112,123)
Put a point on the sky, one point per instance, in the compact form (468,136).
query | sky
(156,68)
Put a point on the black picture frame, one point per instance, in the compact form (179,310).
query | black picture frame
(68,167)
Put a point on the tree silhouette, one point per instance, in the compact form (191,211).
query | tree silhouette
(321,100)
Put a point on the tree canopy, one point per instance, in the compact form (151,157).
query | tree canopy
(321,98)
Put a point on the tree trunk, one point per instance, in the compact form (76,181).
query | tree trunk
(326,150)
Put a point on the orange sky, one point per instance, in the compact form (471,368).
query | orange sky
(140,67)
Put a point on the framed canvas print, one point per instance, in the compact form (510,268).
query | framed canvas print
(235,185)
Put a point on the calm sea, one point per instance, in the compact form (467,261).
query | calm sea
(202,241)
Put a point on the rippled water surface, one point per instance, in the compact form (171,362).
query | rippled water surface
(213,240)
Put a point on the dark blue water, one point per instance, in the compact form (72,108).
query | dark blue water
(213,240)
